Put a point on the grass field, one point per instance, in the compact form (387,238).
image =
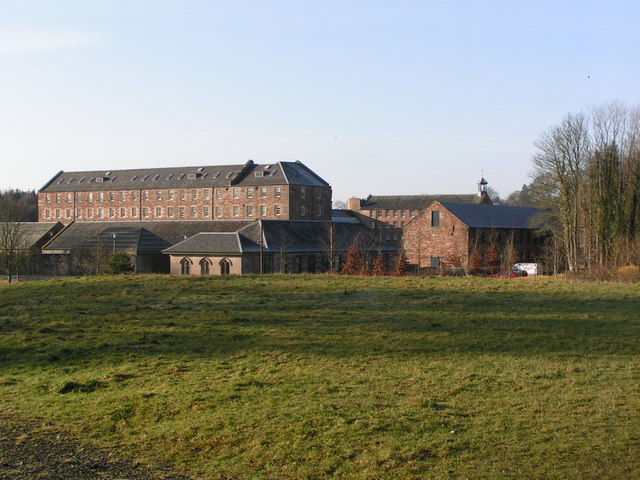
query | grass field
(303,377)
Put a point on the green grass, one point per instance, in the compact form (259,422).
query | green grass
(298,377)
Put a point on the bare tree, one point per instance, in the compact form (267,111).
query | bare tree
(14,247)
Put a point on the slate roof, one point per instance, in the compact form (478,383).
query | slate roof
(281,173)
(413,202)
(292,236)
(139,237)
(495,216)
(35,234)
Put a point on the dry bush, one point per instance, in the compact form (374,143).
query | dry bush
(628,274)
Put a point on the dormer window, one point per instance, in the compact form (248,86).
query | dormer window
(259,174)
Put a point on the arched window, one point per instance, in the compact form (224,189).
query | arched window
(185,266)
(205,263)
(225,266)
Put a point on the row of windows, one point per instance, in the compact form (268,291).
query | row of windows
(249,192)
(392,213)
(157,212)
(123,196)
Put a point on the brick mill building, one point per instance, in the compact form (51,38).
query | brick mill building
(448,233)
(390,213)
(279,191)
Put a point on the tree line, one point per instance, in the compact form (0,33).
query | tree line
(587,179)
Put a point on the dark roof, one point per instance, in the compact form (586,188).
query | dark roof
(495,216)
(140,237)
(281,173)
(291,236)
(413,202)
(35,234)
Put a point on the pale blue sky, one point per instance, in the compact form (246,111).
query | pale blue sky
(378,97)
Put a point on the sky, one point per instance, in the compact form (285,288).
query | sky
(377,97)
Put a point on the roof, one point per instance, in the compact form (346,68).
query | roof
(140,237)
(495,216)
(281,173)
(37,233)
(291,236)
(413,202)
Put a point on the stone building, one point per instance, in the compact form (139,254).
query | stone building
(280,191)
(393,212)
(480,237)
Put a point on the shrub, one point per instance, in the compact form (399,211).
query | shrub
(628,274)
(120,263)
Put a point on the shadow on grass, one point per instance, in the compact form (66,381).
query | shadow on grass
(209,319)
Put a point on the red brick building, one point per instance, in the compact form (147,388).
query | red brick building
(393,212)
(280,191)
(445,233)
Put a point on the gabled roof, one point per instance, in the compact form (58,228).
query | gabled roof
(140,237)
(281,173)
(290,236)
(495,216)
(35,234)
(413,202)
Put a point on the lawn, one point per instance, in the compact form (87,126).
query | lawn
(316,376)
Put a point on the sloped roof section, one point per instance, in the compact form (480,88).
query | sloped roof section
(209,243)
(36,234)
(414,202)
(282,173)
(140,237)
(495,216)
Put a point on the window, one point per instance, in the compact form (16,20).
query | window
(89,212)
(402,224)
(412,213)
(250,192)
(101,196)
(123,196)
(47,213)
(48,198)
(276,210)
(134,196)
(205,212)
(395,214)
(134,212)
(249,210)
(185,266)
(395,224)
(218,194)
(181,194)
(403,214)
(69,197)
(170,212)
(218,211)
(379,213)
(303,192)
(145,212)
(158,212)
(112,212)
(277,192)
(100,213)
(236,210)
(263,210)
(194,212)
(387,214)
(225,266)
(112,196)
(435,218)
(263,192)
(57,213)
(303,211)
(205,265)
(194,194)
(206,193)
(319,211)
(158,195)
(123,212)
(145,194)
(235,192)
(181,212)
(170,194)
(58,198)
(434,262)
(387,225)
(318,193)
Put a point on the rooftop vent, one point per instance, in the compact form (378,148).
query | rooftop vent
(60,181)
(70,180)
(156,177)
(205,175)
(113,178)
(81,180)
(200,169)
(267,167)
(169,176)
(107,174)
(145,177)
(229,174)
(216,175)
(134,177)
(181,176)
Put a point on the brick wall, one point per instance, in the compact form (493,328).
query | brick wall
(280,202)
(422,240)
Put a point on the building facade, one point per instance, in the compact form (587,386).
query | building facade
(476,237)
(280,191)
